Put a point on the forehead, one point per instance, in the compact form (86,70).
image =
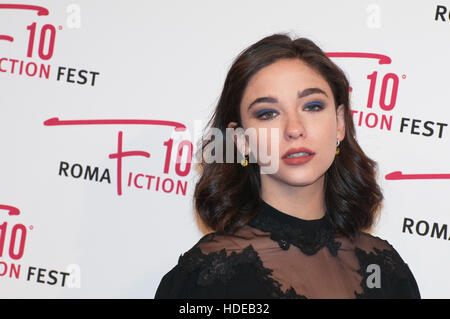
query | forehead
(284,77)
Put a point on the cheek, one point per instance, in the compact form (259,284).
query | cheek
(327,138)
(327,147)
(326,143)
(266,139)
(325,129)
(264,143)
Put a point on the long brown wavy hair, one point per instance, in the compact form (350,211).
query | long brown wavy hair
(227,195)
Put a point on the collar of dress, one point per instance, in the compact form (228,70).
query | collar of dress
(308,235)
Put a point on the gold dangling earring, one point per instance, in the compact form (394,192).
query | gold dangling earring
(244,161)
(337,147)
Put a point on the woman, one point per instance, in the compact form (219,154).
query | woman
(301,230)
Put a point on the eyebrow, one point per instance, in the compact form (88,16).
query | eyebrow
(300,94)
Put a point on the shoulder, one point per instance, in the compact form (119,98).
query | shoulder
(371,247)
(370,242)
(375,253)
(214,248)
(213,268)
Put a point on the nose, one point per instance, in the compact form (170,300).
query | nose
(294,127)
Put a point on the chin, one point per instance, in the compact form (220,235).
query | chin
(300,178)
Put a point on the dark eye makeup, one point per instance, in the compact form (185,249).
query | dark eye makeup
(268,113)
(319,104)
(265,113)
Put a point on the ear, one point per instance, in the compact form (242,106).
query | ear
(340,117)
(240,141)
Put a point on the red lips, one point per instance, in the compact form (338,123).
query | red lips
(297,150)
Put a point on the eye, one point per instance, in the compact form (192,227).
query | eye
(266,114)
(314,106)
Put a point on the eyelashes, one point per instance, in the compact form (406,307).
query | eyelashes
(313,104)
(267,114)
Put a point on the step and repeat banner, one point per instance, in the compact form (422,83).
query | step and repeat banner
(99,98)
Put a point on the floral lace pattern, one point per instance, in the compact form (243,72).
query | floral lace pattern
(218,266)
(287,230)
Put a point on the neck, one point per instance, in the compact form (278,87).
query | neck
(305,202)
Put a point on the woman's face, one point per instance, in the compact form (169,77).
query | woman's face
(300,104)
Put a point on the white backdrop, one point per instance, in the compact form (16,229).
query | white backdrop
(78,77)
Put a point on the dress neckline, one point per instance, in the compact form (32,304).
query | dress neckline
(309,235)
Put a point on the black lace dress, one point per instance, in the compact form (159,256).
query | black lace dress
(281,256)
